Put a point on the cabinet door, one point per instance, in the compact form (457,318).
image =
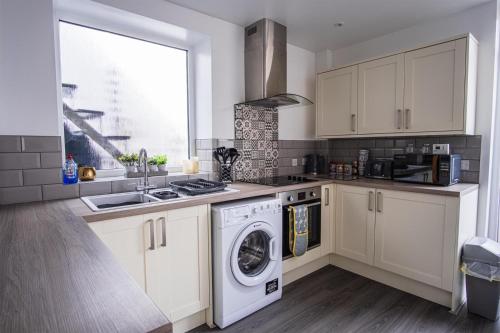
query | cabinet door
(125,238)
(327,219)
(380,95)
(336,108)
(435,87)
(177,271)
(412,236)
(355,222)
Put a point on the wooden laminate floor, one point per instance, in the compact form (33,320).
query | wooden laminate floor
(335,300)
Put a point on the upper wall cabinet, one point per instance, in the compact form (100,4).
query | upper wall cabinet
(380,95)
(337,99)
(431,90)
(434,87)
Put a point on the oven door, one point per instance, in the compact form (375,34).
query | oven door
(314,226)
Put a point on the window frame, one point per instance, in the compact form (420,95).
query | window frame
(121,26)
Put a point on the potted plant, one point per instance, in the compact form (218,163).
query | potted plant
(153,167)
(129,161)
(161,161)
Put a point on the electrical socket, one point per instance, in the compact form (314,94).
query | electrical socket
(294,162)
(304,160)
(464,165)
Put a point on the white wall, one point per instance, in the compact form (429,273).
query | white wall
(298,123)
(28,90)
(481,22)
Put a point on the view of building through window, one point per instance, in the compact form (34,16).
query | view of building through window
(121,94)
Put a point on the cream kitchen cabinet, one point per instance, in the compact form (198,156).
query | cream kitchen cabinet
(125,238)
(327,216)
(168,255)
(411,241)
(337,100)
(413,236)
(355,223)
(430,90)
(434,97)
(380,95)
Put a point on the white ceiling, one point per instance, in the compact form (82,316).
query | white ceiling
(311,22)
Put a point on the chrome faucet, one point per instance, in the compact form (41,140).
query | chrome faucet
(143,162)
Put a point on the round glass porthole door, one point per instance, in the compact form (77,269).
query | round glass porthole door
(253,255)
(252,260)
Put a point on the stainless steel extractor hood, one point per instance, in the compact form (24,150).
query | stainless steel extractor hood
(265,66)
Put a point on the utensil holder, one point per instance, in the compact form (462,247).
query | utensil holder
(226,173)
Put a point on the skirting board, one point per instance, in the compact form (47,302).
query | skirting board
(188,323)
(425,291)
(306,269)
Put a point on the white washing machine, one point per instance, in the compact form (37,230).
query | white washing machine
(247,263)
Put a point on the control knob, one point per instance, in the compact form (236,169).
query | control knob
(312,194)
(290,198)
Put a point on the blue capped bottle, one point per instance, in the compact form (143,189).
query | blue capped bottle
(70,170)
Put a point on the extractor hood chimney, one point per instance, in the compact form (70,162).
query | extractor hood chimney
(265,66)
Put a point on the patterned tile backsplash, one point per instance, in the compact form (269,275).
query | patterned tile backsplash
(256,138)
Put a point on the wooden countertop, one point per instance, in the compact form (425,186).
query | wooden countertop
(57,276)
(246,190)
(456,190)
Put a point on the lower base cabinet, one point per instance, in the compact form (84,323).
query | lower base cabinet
(413,236)
(355,222)
(167,253)
(418,236)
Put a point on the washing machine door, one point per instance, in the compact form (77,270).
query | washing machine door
(254,254)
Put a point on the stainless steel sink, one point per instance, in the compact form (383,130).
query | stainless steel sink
(118,200)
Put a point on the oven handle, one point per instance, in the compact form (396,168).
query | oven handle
(272,249)
(308,205)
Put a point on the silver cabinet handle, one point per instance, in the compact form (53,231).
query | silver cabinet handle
(353,122)
(152,245)
(407,116)
(370,201)
(327,196)
(163,232)
(380,205)
(400,120)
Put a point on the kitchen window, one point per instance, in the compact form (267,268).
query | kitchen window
(120,94)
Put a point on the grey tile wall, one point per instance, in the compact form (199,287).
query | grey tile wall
(11,195)
(292,155)
(41,143)
(95,188)
(347,150)
(60,191)
(11,178)
(26,164)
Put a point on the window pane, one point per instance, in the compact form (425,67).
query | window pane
(121,94)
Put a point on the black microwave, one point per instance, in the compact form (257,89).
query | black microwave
(380,168)
(427,168)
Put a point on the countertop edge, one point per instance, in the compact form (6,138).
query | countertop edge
(247,190)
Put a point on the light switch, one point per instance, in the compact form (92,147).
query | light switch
(464,165)
(294,162)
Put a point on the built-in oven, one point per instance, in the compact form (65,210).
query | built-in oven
(311,197)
